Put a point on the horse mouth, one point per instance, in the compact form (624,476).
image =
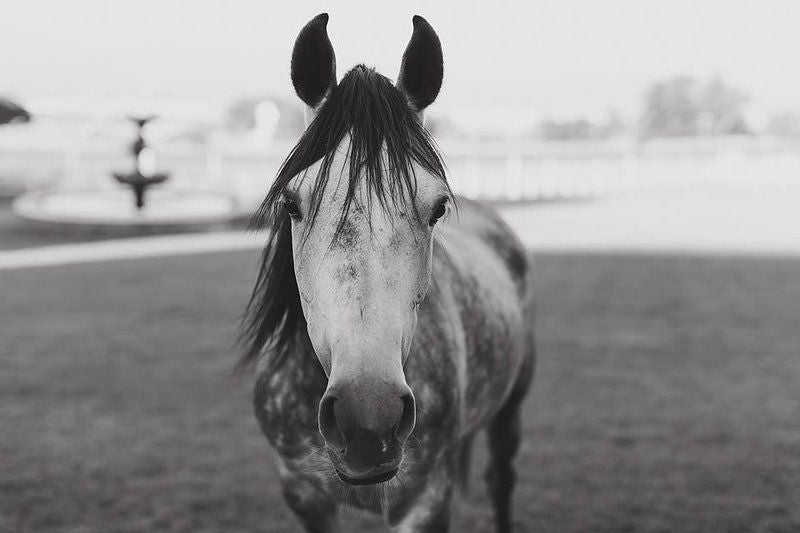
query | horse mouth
(371,480)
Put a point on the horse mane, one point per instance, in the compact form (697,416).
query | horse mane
(386,139)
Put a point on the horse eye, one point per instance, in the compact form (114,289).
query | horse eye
(291,208)
(438,212)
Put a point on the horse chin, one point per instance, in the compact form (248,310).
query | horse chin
(368,480)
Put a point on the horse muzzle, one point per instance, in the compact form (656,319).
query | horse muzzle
(367,458)
(364,438)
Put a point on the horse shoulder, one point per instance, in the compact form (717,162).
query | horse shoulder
(436,369)
(490,280)
(484,223)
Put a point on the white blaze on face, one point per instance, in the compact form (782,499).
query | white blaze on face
(360,286)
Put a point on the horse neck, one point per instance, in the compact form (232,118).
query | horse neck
(300,360)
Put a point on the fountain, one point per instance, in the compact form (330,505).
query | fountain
(156,206)
(142,175)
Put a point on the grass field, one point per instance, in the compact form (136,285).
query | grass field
(667,399)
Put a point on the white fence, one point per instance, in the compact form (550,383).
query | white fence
(496,170)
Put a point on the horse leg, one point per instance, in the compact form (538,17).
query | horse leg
(316,511)
(504,435)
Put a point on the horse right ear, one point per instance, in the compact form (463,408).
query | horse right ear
(313,63)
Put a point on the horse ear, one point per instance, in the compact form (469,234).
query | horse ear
(313,62)
(422,68)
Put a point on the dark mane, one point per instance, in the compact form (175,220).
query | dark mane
(386,140)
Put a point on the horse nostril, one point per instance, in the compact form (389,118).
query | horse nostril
(328,426)
(407,418)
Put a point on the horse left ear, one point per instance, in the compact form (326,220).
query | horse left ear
(422,68)
(314,63)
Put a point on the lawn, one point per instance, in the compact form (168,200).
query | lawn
(667,399)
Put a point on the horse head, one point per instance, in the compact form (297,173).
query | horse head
(361,198)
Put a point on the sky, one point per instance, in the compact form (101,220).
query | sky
(564,58)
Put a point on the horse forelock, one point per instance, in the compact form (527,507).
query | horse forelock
(367,118)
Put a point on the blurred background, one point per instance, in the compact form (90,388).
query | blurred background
(541,101)
(648,153)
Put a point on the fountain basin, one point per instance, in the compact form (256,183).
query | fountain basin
(167,209)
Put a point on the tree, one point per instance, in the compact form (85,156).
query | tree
(682,107)
(581,128)
(12,112)
(553,130)
(671,109)
(721,109)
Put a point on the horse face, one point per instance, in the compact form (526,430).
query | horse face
(361,280)
(363,265)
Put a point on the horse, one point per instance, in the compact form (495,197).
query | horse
(391,320)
